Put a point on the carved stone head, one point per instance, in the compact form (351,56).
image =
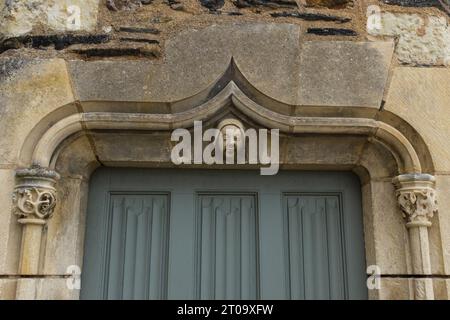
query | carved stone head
(232,131)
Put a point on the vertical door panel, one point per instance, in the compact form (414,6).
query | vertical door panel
(315,241)
(136,259)
(227,256)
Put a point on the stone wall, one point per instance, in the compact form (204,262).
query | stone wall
(381,61)
(421,40)
(102,29)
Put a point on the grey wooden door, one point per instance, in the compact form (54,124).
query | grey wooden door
(208,234)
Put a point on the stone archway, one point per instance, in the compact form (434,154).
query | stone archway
(374,149)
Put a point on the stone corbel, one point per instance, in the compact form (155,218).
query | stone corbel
(416,196)
(34,200)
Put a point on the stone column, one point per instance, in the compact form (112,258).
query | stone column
(416,197)
(34,201)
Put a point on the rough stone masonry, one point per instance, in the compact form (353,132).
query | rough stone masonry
(138,28)
(359,85)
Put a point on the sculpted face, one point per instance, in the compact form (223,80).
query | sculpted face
(232,137)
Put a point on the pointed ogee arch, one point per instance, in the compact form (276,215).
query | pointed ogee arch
(403,151)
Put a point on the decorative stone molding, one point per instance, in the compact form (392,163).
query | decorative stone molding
(42,152)
(34,196)
(34,199)
(417,198)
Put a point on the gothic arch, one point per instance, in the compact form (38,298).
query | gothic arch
(231,89)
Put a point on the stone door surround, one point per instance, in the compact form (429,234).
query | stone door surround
(244,90)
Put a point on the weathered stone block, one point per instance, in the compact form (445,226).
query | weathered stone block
(420,97)
(395,289)
(422,40)
(335,73)
(390,235)
(29,91)
(65,234)
(10,230)
(50,288)
(442,226)
(343,73)
(7,289)
(21,17)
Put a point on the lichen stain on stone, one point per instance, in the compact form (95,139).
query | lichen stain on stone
(422,29)
(25,77)
(10,67)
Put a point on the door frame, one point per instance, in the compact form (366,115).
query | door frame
(73,141)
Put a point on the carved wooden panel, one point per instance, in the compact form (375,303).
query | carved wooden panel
(227,246)
(137,247)
(232,235)
(316,250)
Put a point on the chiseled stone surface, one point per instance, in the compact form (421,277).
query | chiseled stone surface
(10,230)
(443,189)
(136,149)
(344,73)
(77,158)
(30,90)
(438,234)
(262,51)
(331,149)
(18,17)
(379,161)
(51,288)
(422,40)
(421,97)
(55,289)
(7,178)
(401,289)
(441,289)
(395,289)
(7,289)
(335,73)
(65,234)
(196,58)
(390,243)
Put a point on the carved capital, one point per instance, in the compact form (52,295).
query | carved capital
(416,196)
(34,196)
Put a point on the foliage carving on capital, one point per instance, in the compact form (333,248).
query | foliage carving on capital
(417,199)
(418,205)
